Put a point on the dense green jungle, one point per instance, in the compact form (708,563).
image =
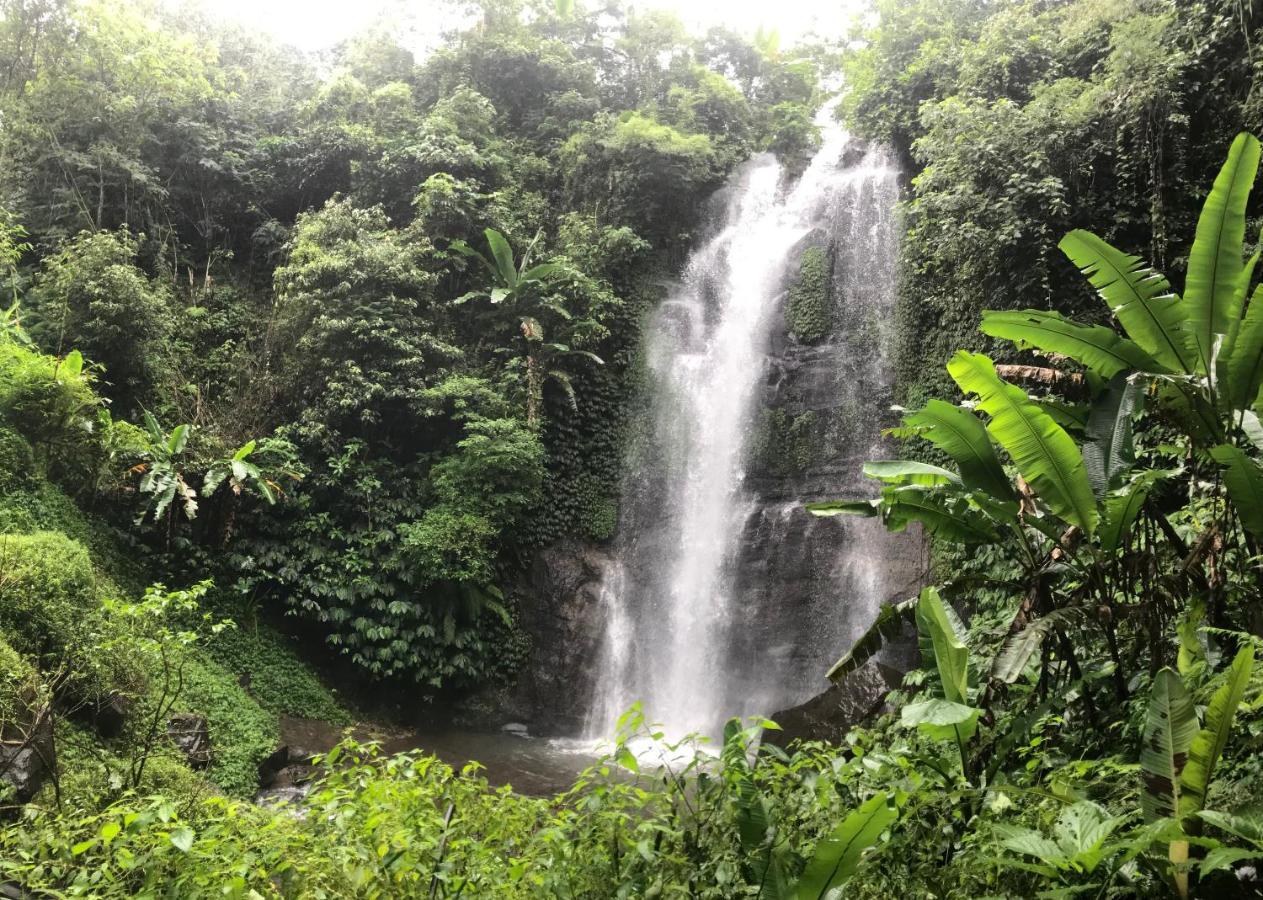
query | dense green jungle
(306,357)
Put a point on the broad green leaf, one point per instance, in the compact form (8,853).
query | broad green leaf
(1019,648)
(1170,726)
(838,856)
(1041,449)
(941,720)
(1216,260)
(1120,509)
(904,471)
(72,365)
(543,272)
(182,839)
(951,657)
(1109,450)
(888,624)
(863,508)
(946,515)
(179,438)
(245,450)
(1248,827)
(1100,349)
(962,436)
(1028,842)
(502,254)
(1244,480)
(1209,744)
(1139,297)
(467,251)
(1243,370)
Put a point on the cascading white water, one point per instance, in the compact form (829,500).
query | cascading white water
(670,601)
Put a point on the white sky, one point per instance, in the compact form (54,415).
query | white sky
(316,24)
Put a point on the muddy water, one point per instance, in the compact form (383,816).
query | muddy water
(533,766)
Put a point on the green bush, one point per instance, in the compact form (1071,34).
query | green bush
(53,406)
(17,462)
(18,682)
(48,594)
(242,733)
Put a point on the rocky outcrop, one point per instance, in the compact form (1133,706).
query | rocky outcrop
(27,757)
(191,736)
(830,715)
(558,606)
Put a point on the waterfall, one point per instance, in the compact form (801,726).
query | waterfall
(691,624)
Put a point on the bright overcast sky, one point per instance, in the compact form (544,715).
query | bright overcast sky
(316,24)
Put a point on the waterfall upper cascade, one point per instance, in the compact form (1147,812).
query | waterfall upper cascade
(725,597)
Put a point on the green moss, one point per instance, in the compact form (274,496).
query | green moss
(785,445)
(242,732)
(281,682)
(809,311)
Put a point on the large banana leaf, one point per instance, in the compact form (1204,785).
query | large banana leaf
(1170,726)
(1139,297)
(502,253)
(906,471)
(945,515)
(888,624)
(1216,260)
(1244,480)
(1019,648)
(1242,373)
(1103,350)
(1041,449)
(838,856)
(938,634)
(1109,450)
(1209,744)
(1120,509)
(862,508)
(962,436)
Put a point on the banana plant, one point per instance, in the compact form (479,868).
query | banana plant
(162,473)
(1200,355)
(1060,496)
(239,472)
(1178,755)
(1072,508)
(522,287)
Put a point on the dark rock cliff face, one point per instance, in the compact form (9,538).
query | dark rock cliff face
(559,607)
(808,585)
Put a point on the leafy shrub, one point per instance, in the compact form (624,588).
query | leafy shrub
(242,733)
(51,403)
(92,295)
(17,462)
(276,677)
(49,593)
(17,684)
